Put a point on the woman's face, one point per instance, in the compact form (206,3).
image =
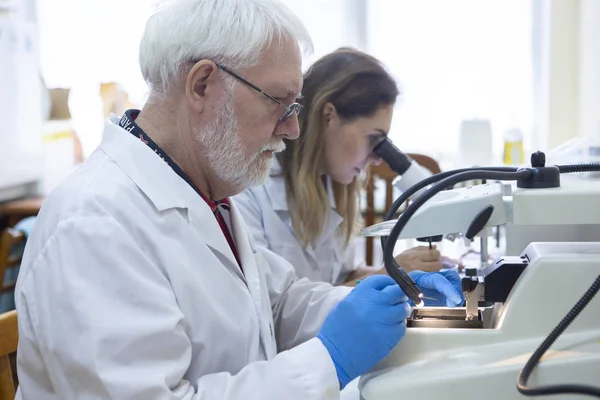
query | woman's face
(348,145)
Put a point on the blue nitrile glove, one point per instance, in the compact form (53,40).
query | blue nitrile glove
(365,326)
(444,286)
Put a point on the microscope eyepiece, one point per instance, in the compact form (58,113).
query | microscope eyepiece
(396,159)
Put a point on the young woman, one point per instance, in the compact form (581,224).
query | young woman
(308,210)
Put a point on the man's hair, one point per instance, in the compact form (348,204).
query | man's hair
(230,32)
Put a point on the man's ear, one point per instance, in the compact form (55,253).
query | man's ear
(200,83)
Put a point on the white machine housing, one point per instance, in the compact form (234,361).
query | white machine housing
(413,175)
(448,363)
(570,212)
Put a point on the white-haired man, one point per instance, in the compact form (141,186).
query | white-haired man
(140,281)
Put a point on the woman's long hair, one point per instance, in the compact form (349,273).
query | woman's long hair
(358,86)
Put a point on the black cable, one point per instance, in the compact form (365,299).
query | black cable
(449,179)
(429,181)
(537,355)
(390,264)
(566,169)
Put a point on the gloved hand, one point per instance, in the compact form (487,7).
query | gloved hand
(451,263)
(420,258)
(445,287)
(365,326)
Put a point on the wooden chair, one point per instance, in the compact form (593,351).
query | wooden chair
(12,244)
(16,210)
(426,162)
(385,173)
(9,337)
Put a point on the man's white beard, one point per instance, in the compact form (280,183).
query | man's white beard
(225,151)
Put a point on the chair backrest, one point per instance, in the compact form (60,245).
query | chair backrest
(9,337)
(16,210)
(427,162)
(385,173)
(12,243)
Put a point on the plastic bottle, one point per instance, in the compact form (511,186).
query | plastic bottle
(514,153)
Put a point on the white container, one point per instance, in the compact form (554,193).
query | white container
(475,143)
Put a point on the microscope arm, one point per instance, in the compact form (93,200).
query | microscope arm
(449,212)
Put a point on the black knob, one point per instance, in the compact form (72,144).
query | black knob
(471,272)
(479,222)
(538,159)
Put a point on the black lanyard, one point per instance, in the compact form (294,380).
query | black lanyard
(127,122)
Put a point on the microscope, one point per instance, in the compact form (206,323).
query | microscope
(530,325)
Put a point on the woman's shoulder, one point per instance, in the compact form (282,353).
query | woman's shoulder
(259,196)
(270,195)
(250,195)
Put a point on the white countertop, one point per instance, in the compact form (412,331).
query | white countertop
(350,392)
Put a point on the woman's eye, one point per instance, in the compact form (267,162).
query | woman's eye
(374,140)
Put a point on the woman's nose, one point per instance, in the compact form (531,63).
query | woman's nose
(373,159)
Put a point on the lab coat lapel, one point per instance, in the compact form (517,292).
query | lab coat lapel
(310,249)
(275,188)
(165,189)
(208,229)
(334,220)
(247,256)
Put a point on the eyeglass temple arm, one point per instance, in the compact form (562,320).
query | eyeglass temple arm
(253,86)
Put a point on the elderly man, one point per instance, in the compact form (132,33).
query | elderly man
(140,281)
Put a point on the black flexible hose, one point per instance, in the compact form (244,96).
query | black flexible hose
(537,355)
(428,181)
(449,179)
(566,169)
(391,266)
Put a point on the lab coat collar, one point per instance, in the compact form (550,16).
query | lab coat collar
(275,188)
(246,252)
(335,219)
(163,187)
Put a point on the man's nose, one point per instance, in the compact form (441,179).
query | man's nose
(288,128)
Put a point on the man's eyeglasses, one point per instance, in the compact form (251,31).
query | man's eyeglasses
(289,110)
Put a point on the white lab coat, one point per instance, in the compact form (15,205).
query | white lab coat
(129,290)
(266,213)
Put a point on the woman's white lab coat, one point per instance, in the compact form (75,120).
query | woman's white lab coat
(266,213)
(129,290)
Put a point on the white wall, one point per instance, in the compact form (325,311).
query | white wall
(85,43)
(563,59)
(332,24)
(20,100)
(107,33)
(568,96)
(76,40)
(455,60)
(589,69)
